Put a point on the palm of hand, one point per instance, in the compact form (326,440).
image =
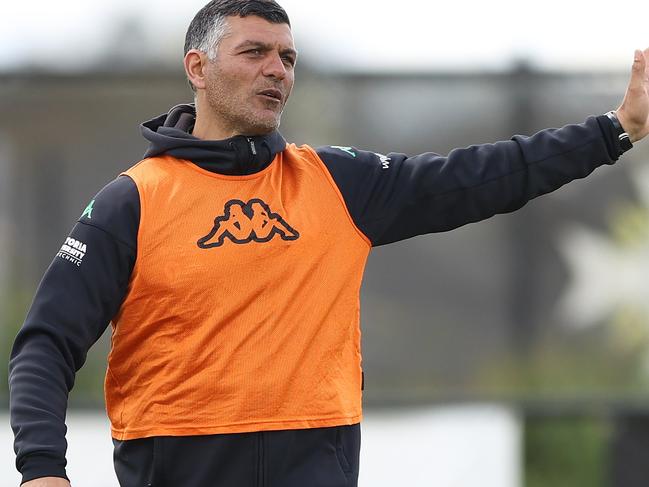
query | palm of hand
(634,111)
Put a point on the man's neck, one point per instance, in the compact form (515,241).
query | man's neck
(207,129)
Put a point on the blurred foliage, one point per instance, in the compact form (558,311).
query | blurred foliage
(566,452)
(610,359)
(607,360)
(628,225)
(13,306)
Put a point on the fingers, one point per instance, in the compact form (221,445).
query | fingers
(639,70)
(639,59)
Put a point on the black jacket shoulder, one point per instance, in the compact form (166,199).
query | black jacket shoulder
(116,211)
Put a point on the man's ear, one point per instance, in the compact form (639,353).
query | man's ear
(195,63)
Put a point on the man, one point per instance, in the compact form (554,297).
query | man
(230,265)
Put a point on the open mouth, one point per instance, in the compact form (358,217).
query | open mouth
(271,94)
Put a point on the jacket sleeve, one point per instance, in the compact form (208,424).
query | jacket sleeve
(394,197)
(81,291)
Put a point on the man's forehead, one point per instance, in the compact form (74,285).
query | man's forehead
(254,28)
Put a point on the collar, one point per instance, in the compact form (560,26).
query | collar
(171,134)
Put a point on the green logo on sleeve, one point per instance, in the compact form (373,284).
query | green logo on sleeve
(348,150)
(88,211)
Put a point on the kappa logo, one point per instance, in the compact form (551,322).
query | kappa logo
(88,211)
(348,150)
(73,251)
(244,223)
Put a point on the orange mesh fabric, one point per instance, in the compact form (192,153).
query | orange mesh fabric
(243,308)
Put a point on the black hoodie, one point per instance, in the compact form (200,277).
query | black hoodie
(390,197)
(170,134)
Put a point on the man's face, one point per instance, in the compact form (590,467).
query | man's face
(251,78)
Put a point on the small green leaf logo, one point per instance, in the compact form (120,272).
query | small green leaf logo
(348,150)
(88,211)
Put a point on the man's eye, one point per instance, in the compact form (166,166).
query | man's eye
(289,61)
(254,52)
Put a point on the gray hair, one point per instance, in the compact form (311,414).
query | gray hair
(210,43)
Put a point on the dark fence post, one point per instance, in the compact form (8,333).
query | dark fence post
(629,450)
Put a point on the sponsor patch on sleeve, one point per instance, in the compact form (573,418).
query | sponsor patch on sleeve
(385,160)
(73,251)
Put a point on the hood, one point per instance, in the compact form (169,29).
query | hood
(171,134)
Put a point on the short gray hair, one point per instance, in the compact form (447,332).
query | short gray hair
(210,42)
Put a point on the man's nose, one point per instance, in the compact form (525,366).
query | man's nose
(275,67)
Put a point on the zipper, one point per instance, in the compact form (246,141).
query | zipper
(253,149)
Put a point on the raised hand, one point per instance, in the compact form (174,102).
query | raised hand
(633,114)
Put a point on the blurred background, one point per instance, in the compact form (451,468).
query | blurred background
(508,353)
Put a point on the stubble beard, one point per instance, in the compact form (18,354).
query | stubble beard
(238,115)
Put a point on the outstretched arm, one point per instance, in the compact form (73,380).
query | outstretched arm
(393,197)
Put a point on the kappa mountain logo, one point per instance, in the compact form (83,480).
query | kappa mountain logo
(88,211)
(244,223)
(348,150)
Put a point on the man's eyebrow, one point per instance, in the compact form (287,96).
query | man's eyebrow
(264,46)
